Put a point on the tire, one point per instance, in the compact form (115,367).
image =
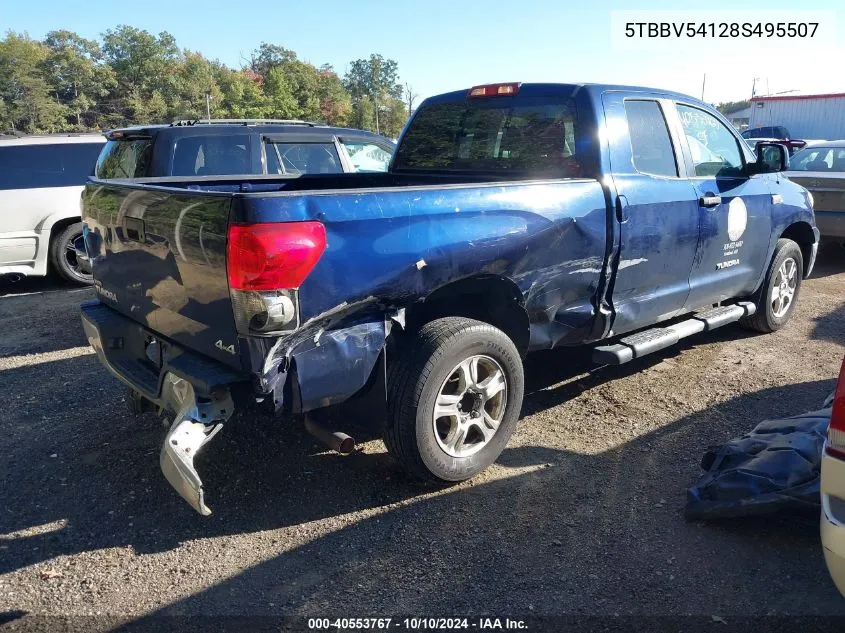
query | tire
(771,315)
(63,260)
(429,368)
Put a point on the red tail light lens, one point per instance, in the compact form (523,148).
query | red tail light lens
(836,432)
(494,90)
(273,256)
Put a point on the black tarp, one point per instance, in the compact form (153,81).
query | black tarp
(773,468)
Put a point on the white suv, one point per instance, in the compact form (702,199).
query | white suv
(41,179)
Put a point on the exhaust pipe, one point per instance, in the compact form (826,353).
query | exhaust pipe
(336,440)
(12,277)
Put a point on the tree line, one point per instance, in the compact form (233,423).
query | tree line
(67,83)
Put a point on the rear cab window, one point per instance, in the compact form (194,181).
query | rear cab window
(39,165)
(524,135)
(125,158)
(651,145)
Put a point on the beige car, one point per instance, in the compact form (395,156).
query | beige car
(820,167)
(833,488)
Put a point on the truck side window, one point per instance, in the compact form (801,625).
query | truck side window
(54,165)
(125,158)
(715,151)
(218,155)
(651,146)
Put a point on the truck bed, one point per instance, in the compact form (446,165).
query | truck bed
(159,248)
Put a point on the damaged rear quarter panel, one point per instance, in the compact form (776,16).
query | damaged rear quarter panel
(389,248)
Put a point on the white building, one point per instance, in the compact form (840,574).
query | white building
(739,118)
(814,117)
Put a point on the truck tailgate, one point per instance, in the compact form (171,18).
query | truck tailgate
(159,258)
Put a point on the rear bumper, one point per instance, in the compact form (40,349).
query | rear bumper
(122,345)
(197,391)
(831,223)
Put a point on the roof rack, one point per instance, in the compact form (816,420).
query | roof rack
(189,122)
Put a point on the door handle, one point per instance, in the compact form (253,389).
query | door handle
(709,200)
(621,209)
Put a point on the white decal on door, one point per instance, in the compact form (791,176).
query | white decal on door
(737,219)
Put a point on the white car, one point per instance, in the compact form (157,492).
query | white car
(833,488)
(41,180)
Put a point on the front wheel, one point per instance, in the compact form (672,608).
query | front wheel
(775,300)
(63,255)
(454,398)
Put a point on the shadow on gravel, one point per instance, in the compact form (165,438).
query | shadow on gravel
(831,326)
(562,531)
(831,259)
(30,285)
(40,315)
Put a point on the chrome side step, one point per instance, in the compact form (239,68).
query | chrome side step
(657,338)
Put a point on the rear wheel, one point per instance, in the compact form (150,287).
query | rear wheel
(63,255)
(775,300)
(454,398)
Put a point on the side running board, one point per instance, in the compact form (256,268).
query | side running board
(657,338)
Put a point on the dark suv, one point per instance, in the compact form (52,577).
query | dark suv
(224,147)
(773,133)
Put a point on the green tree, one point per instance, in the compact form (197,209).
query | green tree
(281,100)
(29,103)
(732,106)
(375,79)
(145,68)
(242,94)
(132,76)
(268,56)
(335,102)
(196,91)
(77,75)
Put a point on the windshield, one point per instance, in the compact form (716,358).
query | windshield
(819,159)
(521,135)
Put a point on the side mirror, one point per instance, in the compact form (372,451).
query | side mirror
(771,158)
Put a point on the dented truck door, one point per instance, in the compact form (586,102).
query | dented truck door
(656,211)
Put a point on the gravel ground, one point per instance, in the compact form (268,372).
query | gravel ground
(583,514)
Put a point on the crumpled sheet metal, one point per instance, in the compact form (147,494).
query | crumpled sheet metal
(776,467)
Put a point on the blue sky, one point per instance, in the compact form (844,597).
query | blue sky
(443,45)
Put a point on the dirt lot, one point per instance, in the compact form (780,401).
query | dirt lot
(582,515)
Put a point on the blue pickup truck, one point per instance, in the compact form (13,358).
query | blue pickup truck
(513,217)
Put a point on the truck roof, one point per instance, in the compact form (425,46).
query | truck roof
(568,90)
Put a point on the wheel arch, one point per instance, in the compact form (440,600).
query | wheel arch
(493,299)
(802,234)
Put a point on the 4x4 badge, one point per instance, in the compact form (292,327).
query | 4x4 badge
(226,348)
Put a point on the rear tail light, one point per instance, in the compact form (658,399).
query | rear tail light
(836,432)
(266,264)
(494,90)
